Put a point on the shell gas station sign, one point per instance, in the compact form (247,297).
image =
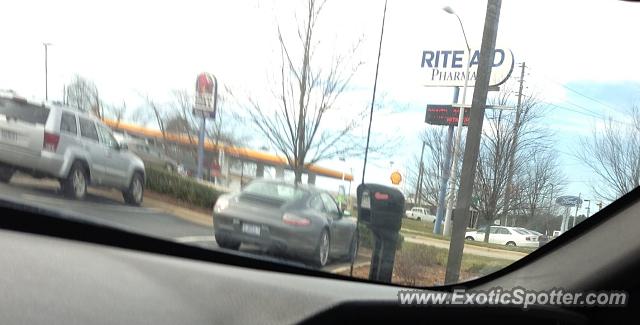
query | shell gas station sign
(396,178)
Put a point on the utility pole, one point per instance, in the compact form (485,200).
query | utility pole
(419,183)
(46,72)
(461,214)
(512,151)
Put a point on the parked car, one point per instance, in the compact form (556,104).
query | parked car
(418,213)
(47,140)
(150,155)
(542,238)
(509,236)
(297,220)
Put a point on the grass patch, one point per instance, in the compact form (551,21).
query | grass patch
(496,246)
(415,259)
(482,265)
(425,229)
(415,225)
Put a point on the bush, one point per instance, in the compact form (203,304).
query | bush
(366,237)
(181,188)
(412,262)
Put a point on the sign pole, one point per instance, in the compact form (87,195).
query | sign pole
(201,146)
(446,170)
(205,106)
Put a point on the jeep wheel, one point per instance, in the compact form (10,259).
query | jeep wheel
(75,185)
(135,193)
(6,173)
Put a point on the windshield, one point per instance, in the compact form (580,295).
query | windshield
(283,192)
(20,111)
(197,120)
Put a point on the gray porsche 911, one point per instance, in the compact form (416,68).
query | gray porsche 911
(301,221)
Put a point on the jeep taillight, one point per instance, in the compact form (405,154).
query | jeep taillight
(50,142)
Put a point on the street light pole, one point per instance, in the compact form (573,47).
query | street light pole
(46,72)
(456,146)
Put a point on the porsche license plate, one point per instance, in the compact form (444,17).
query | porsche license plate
(248,228)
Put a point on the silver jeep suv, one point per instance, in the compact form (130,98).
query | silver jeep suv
(48,140)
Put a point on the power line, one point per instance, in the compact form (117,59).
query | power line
(588,113)
(577,92)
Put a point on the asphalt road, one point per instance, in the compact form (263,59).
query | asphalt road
(106,210)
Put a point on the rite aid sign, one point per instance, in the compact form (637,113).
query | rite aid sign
(446,68)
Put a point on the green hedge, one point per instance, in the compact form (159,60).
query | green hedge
(180,187)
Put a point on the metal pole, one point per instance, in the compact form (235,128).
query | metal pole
(418,197)
(512,149)
(46,72)
(446,171)
(201,147)
(474,133)
(456,147)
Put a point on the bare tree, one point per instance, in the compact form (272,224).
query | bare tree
(538,183)
(307,91)
(117,112)
(496,149)
(83,95)
(223,129)
(613,156)
(433,165)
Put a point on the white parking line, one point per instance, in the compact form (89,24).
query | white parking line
(195,239)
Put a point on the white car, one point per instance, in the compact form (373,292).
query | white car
(420,214)
(509,236)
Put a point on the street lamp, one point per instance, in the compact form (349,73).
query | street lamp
(46,77)
(456,146)
(588,206)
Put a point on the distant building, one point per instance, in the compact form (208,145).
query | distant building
(225,165)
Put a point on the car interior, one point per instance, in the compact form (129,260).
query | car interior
(58,269)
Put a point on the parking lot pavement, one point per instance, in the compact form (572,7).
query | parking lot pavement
(103,209)
(155,218)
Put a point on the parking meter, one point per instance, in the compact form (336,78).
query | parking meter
(380,208)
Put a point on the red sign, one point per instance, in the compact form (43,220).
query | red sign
(381,196)
(445,115)
(206,94)
(204,84)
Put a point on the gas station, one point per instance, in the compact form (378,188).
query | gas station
(227,166)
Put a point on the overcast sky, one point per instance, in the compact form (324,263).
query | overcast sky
(132,48)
